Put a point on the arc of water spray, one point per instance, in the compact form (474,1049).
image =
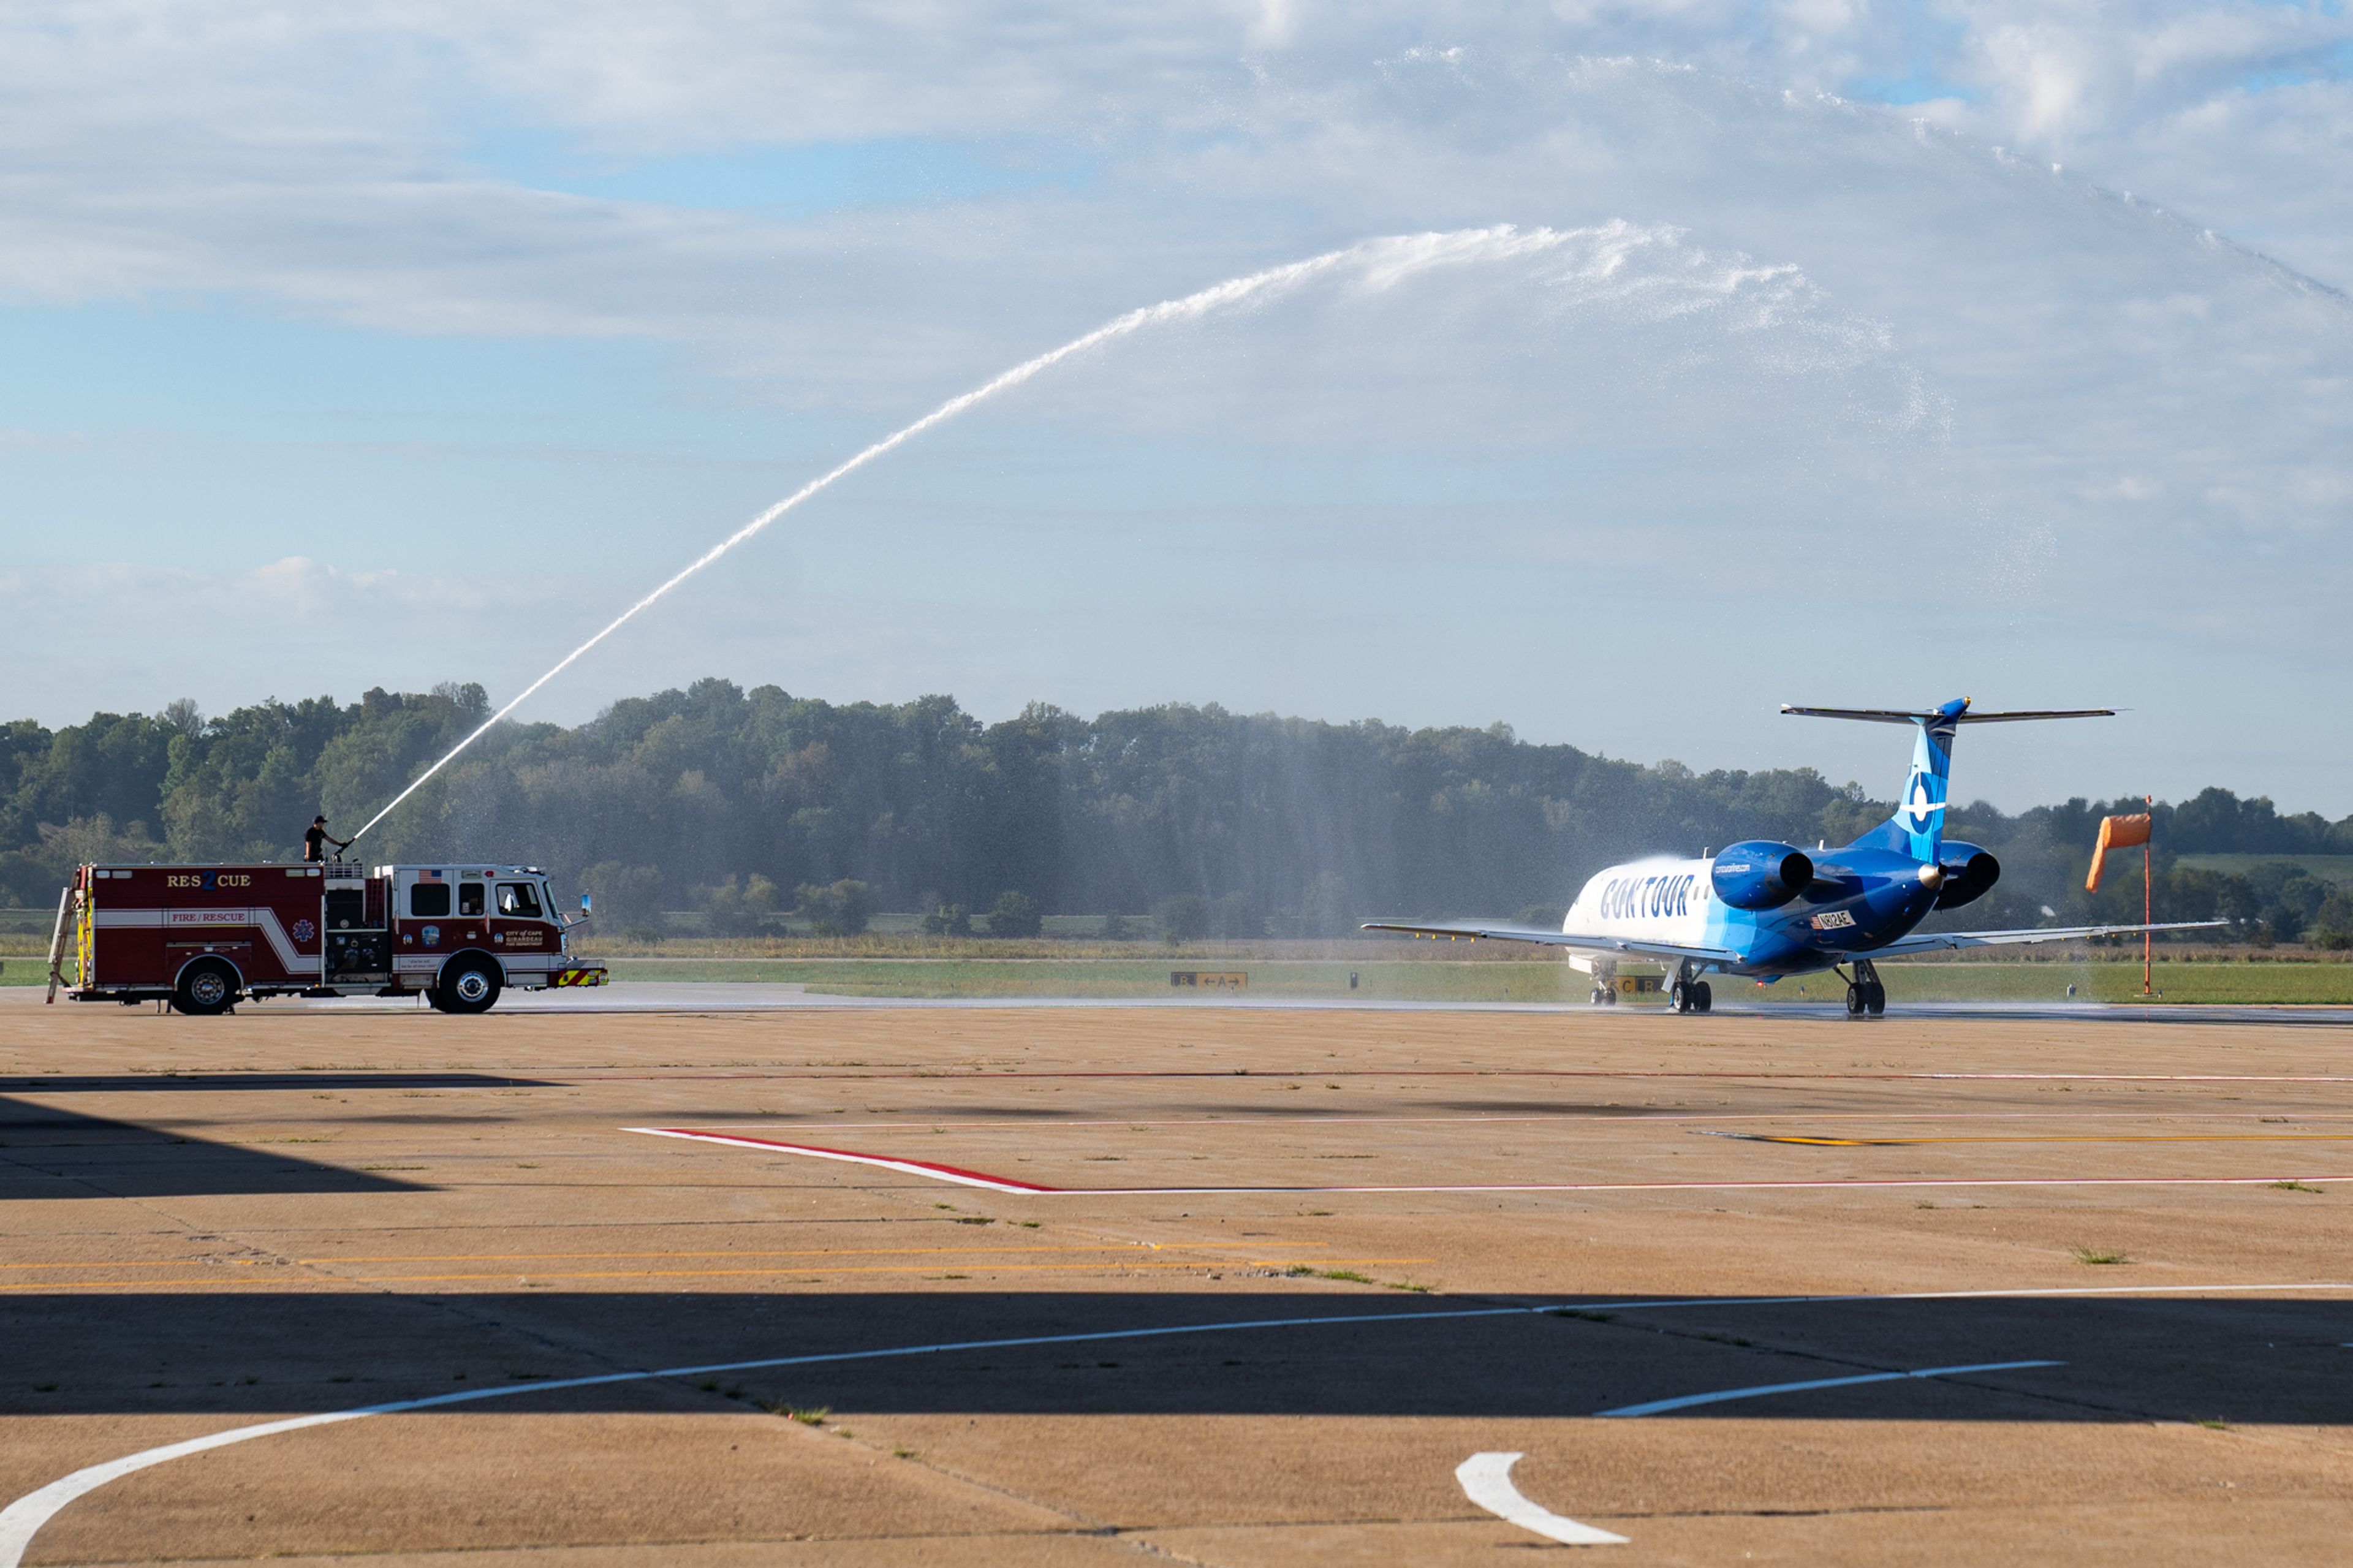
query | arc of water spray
(1392,259)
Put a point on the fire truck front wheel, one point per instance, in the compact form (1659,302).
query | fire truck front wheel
(469,985)
(206,988)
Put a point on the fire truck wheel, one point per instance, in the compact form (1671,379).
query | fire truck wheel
(469,985)
(206,988)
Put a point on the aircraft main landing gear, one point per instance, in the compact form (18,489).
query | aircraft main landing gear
(1864,994)
(1690,994)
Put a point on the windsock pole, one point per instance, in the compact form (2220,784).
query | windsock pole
(2145,934)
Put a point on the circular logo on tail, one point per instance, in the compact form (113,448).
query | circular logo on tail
(1916,803)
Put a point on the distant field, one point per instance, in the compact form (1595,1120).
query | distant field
(1390,980)
(2336,868)
(2105,980)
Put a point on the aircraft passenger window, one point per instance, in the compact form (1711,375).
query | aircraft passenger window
(520,899)
(429,901)
(469,898)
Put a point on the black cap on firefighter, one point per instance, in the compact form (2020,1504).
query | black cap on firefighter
(319,822)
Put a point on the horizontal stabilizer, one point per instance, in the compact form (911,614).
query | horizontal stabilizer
(1922,715)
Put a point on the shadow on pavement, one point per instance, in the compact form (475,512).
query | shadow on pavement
(46,1152)
(2253,1359)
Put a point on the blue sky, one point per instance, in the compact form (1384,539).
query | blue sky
(1984,349)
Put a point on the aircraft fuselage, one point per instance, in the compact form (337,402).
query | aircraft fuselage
(1862,898)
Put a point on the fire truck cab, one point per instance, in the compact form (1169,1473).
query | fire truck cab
(203,937)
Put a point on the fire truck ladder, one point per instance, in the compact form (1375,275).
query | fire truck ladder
(58,943)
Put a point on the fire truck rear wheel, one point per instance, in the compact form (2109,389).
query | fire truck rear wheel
(206,988)
(469,985)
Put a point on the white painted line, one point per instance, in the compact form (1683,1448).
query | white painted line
(1251,1121)
(1487,1481)
(1660,1406)
(1823,1185)
(1009,1185)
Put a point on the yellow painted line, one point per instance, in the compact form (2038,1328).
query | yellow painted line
(717,1273)
(134,1263)
(1108,1248)
(804,1252)
(320,1280)
(880,1268)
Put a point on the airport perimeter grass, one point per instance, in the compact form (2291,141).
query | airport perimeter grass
(2228,982)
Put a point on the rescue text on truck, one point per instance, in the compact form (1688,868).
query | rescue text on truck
(202,938)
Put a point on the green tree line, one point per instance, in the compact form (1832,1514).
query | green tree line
(746,803)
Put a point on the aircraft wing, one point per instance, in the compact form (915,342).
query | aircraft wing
(1932,942)
(1664,949)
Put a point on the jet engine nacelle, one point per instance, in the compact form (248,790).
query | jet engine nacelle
(1969,873)
(1761,874)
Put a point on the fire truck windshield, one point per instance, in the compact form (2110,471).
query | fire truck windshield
(520,899)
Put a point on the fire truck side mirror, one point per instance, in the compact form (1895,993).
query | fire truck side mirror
(584,903)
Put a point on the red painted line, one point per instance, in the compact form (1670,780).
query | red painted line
(1009,1185)
(851,1156)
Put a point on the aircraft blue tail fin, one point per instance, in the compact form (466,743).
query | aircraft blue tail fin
(1919,820)
(1917,828)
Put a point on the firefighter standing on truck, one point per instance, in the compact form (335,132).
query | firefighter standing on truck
(315,842)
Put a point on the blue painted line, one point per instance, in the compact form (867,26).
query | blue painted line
(1721,1395)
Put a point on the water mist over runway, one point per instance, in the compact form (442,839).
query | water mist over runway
(1635,272)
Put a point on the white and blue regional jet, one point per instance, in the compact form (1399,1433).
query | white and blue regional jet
(1767,909)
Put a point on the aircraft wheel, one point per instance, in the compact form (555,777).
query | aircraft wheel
(208,988)
(1702,998)
(1854,1000)
(1874,1001)
(1679,997)
(1596,997)
(1610,997)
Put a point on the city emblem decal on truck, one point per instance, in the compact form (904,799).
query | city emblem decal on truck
(432,936)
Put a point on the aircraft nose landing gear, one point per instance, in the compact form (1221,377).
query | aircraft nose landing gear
(1864,994)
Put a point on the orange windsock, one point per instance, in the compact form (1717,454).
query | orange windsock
(2115,833)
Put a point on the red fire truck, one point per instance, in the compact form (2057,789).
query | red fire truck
(203,937)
